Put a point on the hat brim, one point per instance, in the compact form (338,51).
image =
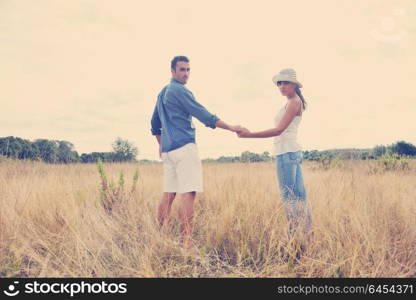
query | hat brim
(278,78)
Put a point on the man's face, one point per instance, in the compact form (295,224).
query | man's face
(182,72)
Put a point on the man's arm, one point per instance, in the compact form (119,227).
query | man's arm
(156,128)
(223,125)
(198,111)
(155,122)
(158,138)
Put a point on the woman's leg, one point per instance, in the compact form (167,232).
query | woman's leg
(293,192)
(286,175)
(304,205)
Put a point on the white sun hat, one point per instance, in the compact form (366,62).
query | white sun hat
(286,75)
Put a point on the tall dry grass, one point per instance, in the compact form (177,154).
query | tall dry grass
(53,223)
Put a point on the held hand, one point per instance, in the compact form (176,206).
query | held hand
(236,128)
(245,133)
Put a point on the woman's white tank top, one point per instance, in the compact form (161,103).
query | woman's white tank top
(287,140)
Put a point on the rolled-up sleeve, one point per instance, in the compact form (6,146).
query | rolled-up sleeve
(187,99)
(156,124)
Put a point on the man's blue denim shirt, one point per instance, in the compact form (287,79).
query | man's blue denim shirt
(172,117)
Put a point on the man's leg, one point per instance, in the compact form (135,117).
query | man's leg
(190,181)
(186,212)
(165,208)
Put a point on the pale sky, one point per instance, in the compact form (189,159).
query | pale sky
(89,71)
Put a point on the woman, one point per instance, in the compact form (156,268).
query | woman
(288,152)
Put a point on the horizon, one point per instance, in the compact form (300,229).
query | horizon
(139,158)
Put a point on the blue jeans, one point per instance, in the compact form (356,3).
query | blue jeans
(292,189)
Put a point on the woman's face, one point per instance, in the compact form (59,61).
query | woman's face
(286,88)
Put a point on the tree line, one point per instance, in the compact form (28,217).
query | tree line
(401,148)
(63,152)
(55,151)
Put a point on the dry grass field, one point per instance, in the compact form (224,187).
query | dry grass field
(53,224)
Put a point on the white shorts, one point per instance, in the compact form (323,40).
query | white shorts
(182,170)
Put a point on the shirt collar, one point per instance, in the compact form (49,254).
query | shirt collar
(174,80)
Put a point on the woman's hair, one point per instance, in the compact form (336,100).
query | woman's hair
(297,90)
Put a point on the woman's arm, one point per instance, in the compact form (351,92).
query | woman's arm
(260,134)
(289,115)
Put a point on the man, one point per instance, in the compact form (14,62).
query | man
(172,125)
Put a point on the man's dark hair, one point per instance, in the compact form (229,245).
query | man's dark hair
(176,59)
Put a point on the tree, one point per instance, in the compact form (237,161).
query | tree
(10,147)
(266,156)
(311,155)
(66,153)
(86,158)
(248,156)
(226,159)
(48,150)
(403,148)
(28,150)
(124,150)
